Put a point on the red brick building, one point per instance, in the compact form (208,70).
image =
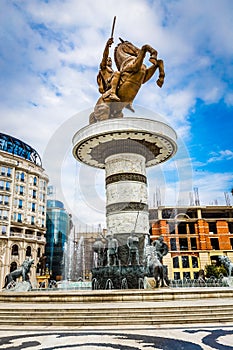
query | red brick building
(195,236)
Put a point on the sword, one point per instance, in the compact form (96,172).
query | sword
(113,26)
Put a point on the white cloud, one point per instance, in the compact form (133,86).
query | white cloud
(49,57)
(221,155)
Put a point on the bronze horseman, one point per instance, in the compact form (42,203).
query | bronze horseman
(119,88)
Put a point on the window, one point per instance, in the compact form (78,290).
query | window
(212,227)
(173,243)
(176,262)
(6,200)
(193,243)
(231,242)
(15,250)
(183,243)
(34,194)
(38,252)
(22,177)
(19,217)
(186,265)
(215,243)
(9,171)
(230,227)
(32,220)
(20,204)
(21,190)
(182,228)
(194,262)
(176,275)
(172,228)
(35,181)
(3,171)
(3,229)
(187,275)
(33,207)
(185,262)
(4,185)
(28,251)
(192,228)
(42,196)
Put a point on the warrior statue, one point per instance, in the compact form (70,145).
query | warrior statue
(112,250)
(161,248)
(119,88)
(98,248)
(132,243)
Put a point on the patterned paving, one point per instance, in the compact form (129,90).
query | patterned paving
(120,338)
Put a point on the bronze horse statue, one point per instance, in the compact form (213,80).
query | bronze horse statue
(132,74)
(154,266)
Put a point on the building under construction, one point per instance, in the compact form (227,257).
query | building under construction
(195,236)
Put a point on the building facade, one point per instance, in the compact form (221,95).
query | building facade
(195,236)
(58,223)
(23,189)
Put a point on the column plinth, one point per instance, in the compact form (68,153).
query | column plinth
(125,148)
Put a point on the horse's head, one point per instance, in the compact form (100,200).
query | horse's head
(123,51)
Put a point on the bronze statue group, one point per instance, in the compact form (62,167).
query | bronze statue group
(106,254)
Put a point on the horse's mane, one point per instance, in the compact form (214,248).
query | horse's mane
(116,52)
(116,56)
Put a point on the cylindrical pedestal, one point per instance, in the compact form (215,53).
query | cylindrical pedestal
(124,148)
(126,194)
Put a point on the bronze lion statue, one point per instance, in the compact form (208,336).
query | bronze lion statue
(22,271)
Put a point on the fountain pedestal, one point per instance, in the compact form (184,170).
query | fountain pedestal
(125,148)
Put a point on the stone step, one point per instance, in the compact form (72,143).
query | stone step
(114,307)
(114,311)
(101,317)
(86,296)
(116,315)
(116,321)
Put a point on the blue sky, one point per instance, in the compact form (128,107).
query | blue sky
(49,57)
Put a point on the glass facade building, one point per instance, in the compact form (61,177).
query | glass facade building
(58,228)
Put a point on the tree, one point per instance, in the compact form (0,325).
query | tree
(216,271)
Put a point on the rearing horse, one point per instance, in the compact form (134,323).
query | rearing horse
(132,74)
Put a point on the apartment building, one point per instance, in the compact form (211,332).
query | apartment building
(23,191)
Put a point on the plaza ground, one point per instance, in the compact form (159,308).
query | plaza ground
(166,336)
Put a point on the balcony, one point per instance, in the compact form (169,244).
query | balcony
(16,234)
(30,236)
(41,238)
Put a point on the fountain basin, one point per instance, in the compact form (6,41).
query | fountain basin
(118,277)
(74,285)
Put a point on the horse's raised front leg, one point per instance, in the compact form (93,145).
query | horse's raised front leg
(160,81)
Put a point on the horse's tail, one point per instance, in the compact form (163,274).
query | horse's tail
(6,281)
